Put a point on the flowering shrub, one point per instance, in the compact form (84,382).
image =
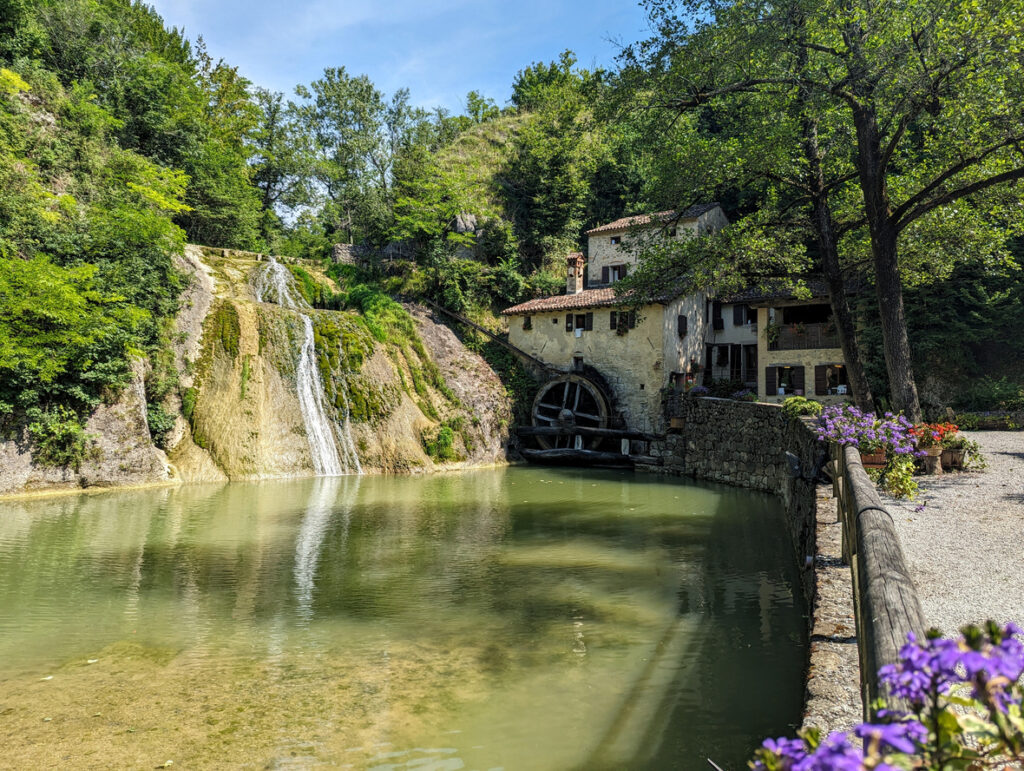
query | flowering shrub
(933,434)
(965,712)
(746,395)
(847,425)
(698,390)
(892,434)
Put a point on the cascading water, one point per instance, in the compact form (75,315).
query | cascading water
(274,285)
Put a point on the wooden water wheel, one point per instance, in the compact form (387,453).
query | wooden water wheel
(567,402)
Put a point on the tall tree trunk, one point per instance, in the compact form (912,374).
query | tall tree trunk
(888,284)
(824,226)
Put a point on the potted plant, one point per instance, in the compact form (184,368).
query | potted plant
(929,438)
(879,439)
(954,448)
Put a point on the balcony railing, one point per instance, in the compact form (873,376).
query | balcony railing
(792,337)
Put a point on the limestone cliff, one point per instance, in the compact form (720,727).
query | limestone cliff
(386,400)
(412,402)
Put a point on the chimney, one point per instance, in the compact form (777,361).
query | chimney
(574,273)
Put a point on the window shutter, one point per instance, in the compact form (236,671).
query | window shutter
(738,315)
(820,379)
(614,317)
(632,319)
(716,310)
(770,386)
(798,378)
(604,275)
(568,322)
(623,270)
(681,325)
(590,322)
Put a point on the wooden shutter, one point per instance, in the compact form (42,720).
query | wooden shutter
(707,364)
(716,310)
(820,379)
(623,270)
(739,315)
(604,275)
(681,325)
(735,364)
(798,378)
(614,318)
(568,322)
(590,322)
(632,319)
(770,381)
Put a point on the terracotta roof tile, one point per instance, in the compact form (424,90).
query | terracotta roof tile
(588,298)
(662,216)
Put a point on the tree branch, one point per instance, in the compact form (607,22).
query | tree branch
(955,195)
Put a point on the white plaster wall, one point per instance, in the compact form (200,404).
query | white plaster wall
(683,354)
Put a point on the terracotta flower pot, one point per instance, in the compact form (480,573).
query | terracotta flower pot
(873,459)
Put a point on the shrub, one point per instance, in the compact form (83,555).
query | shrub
(746,395)
(795,406)
(160,424)
(441,447)
(698,390)
(58,437)
(965,705)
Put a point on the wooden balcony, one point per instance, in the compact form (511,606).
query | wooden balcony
(795,337)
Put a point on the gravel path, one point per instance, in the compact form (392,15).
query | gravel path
(965,549)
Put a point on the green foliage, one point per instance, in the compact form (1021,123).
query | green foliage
(897,478)
(990,394)
(795,406)
(58,437)
(317,294)
(160,423)
(724,389)
(441,445)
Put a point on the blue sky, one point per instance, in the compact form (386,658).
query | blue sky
(439,49)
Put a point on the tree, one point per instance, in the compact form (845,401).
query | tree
(282,160)
(926,99)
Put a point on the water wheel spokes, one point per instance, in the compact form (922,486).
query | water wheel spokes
(567,402)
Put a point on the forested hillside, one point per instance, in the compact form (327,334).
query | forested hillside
(121,140)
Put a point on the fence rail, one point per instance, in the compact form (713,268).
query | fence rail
(885,599)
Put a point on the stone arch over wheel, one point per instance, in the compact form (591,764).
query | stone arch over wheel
(568,401)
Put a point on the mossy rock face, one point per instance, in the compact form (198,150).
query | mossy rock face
(226,327)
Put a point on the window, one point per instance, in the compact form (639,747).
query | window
(831,380)
(554,320)
(613,319)
(616,240)
(743,314)
(577,363)
(579,322)
(717,323)
(615,272)
(784,381)
(681,325)
(528,322)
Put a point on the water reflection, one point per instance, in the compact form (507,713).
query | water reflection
(525,618)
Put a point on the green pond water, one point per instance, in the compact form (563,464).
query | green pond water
(504,619)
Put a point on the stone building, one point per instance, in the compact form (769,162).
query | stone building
(769,342)
(638,353)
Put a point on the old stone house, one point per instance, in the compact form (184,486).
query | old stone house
(676,340)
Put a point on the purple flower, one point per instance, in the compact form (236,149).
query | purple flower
(899,737)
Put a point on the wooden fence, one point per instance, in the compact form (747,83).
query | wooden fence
(885,599)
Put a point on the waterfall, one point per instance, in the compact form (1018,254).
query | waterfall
(314,413)
(274,284)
